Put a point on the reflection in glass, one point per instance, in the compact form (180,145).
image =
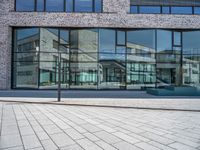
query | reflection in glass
(140,59)
(150,9)
(168,58)
(164,41)
(112,68)
(83,5)
(26,50)
(25,5)
(54,5)
(40,5)
(191,58)
(83,58)
(181,10)
(105,58)
(98,6)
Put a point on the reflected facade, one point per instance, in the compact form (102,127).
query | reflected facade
(96,58)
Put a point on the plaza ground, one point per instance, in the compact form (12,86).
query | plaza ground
(51,127)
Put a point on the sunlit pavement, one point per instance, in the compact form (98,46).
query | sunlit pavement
(52,127)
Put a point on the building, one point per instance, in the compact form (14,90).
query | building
(104,44)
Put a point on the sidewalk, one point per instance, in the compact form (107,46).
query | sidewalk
(127,99)
(55,127)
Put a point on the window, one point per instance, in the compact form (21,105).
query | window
(197,10)
(121,37)
(98,6)
(150,9)
(25,5)
(165,10)
(164,41)
(177,38)
(83,5)
(181,10)
(69,5)
(55,5)
(134,9)
(59,5)
(40,5)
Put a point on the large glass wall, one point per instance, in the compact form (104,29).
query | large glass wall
(98,58)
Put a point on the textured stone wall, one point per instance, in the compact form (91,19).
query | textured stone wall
(115,15)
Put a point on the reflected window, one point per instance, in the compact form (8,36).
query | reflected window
(54,5)
(25,5)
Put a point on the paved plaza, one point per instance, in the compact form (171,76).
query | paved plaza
(52,127)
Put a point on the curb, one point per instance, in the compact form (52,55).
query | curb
(100,105)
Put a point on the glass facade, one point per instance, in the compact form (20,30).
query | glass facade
(97,58)
(59,5)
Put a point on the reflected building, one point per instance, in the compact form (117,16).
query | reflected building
(105,58)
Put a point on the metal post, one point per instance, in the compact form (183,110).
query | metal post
(59,76)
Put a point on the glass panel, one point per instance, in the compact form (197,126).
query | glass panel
(164,41)
(83,6)
(64,37)
(26,50)
(48,41)
(49,73)
(168,59)
(177,38)
(191,42)
(165,10)
(181,10)
(25,75)
(112,68)
(40,5)
(107,41)
(150,9)
(52,5)
(191,58)
(69,5)
(25,5)
(83,58)
(121,37)
(98,6)
(140,59)
(197,10)
(134,9)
